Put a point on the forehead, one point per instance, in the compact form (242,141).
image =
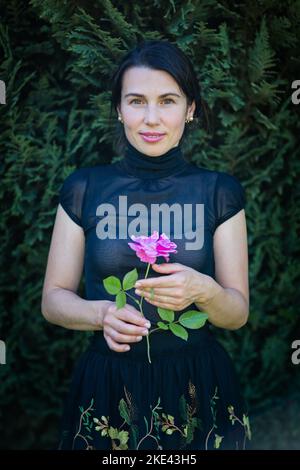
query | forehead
(147,81)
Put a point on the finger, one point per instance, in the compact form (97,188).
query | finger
(168,298)
(131,308)
(166,306)
(128,328)
(131,315)
(161,281)
(115,346)
(121,338)
(169,266)
(165,291)
(128,307)
(162,301)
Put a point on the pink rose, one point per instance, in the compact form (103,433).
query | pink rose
(149,248)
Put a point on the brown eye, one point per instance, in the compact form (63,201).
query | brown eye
(136,99)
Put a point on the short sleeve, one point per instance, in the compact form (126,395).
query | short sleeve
(72,193)
(230,197)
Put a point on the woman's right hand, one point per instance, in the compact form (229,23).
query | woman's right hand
(123,325)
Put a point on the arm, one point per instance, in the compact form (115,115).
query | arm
(60,303)
(228,300)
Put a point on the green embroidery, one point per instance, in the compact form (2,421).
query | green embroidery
(245,423)
(85,422)
(218,439)
(187,413)
(127,435)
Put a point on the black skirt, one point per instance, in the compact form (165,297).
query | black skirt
(187,398)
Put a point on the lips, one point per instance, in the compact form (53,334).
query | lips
(152,137)
(152,134)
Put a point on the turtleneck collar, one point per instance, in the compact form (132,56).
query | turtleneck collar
(139,164)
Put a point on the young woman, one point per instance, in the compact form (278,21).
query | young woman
(188,396)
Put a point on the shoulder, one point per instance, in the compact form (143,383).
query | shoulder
(80,177)
(229,196)
(83,181)
(200,172)
(77,178)
(74,190)
(228,185)
(226,179)
(81,174)
(213,179)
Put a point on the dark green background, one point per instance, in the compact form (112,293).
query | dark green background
(57,60)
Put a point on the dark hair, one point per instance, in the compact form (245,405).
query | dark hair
(159,55)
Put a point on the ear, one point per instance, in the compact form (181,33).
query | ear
(192,108)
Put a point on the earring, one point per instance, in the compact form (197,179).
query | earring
(120,119)
(189,120)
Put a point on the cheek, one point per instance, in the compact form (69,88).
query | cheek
(132,119)
(174,119)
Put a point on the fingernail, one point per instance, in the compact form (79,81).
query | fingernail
(138,284)
(147,324)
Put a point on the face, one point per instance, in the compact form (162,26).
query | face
(146,110)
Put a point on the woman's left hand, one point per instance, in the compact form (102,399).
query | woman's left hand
(181,288)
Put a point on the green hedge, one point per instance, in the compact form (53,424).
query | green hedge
(57,61)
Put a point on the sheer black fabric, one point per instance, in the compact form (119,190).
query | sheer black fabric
(113,393)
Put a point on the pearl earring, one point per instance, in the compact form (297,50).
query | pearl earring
(120,119)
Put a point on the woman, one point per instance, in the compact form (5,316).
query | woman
(188,396)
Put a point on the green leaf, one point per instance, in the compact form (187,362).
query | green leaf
(162,325)
(218,440)
(112,285)
(113,433)
(193,319)
(165,314)
(170,431)
(134,429)
(121,299)
(124,411)
(123,437)
(130,279)
(183,408)
(146,424)
(246,423)
(261,55)
(179,331)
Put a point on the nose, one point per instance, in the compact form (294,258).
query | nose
(151,115)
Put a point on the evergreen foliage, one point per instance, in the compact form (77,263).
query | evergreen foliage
(57,60)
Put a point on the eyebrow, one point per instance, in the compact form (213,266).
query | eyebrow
(143,96)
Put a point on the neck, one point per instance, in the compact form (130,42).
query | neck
(142,165)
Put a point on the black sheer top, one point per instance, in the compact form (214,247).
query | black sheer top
(110,202)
